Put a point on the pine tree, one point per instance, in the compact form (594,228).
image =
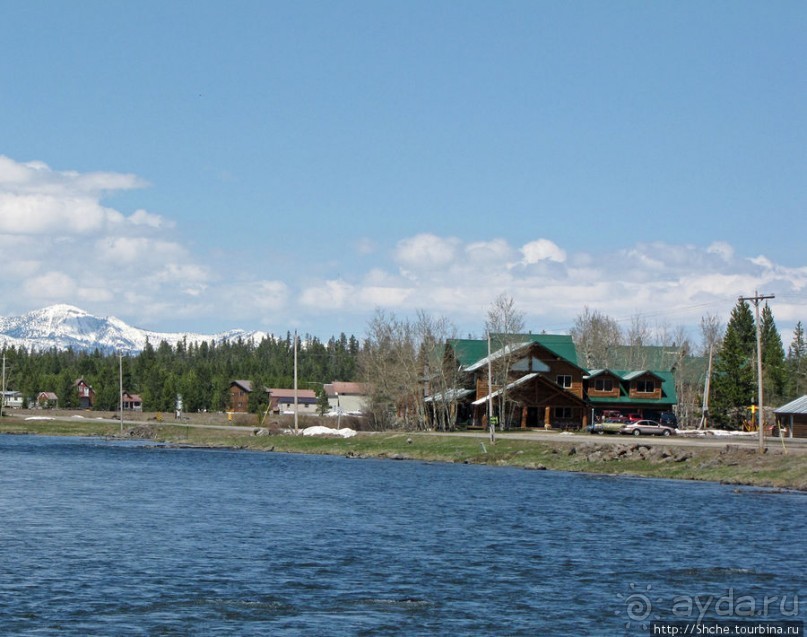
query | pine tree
(734,386)
(797,363)
(323,406)
(774,373)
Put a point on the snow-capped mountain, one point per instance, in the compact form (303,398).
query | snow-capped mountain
(63,326)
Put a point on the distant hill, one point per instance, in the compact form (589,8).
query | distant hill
(66,326)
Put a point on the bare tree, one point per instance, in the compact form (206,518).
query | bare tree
(441,375)
(396,363)
(595,335)
(638,337)
(504,324)
(675,356)
(712,332)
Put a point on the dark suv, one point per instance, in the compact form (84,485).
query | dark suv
(668,418)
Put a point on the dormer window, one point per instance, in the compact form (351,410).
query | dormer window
(604,384)
(645,386)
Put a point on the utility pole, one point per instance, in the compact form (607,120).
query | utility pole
(755,300)
(3,397)
(295,381)
(120,387)
(491,422)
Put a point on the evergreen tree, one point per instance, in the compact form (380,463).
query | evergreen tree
(733,384)
(797,363)
(774,372)
(258,397)
(323,406)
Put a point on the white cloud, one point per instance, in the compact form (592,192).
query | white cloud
(425,251)
(721,249)
(137,250)
(489,252)
(34,199)
(50,287)
(542,250)
(143,218)
(662,282)
(63,244)
(384,296)
(60,243)
(328,295)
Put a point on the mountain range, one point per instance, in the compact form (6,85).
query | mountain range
(66,326)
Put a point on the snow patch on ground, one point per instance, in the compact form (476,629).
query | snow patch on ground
(319,430)
(698,433)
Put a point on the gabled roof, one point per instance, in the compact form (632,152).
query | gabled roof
(246,385)
(601,372)
(798,406)
(282,393)
(499,353)
(345,389)
(669,395)
(637,373)
(515,383)
(471,351)
(449,395)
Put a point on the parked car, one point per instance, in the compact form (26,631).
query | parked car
(647,427)
(607,427)
(633,418)
(668,418)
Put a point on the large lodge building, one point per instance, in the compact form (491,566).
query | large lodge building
(544,385)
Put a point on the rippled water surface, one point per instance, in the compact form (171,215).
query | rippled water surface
(107,538)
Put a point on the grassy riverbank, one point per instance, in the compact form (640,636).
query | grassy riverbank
(728,463)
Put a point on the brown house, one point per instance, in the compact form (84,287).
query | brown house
(282,401)
(643,392)
(47,400)
(792,418)
(86,394)
(132,402)
(239,392)
(545,387)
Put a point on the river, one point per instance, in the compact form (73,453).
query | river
(101,537)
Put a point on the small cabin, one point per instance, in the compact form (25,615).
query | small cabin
(47,400)
(86,394)
(13,399)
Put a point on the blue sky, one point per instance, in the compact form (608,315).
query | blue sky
(207,165)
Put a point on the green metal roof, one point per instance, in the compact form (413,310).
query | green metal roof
(669,395)
(470,351)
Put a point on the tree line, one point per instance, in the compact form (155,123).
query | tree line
(200,372)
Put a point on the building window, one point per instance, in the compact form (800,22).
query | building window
(645,386)
(564,381)
(604,384)
(563,413)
